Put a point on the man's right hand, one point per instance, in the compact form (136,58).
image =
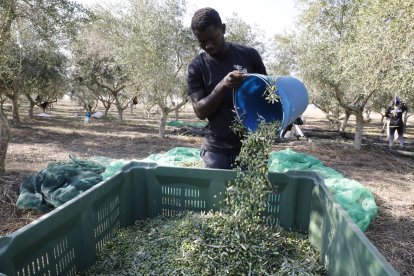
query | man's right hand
(204,105)
(234,79)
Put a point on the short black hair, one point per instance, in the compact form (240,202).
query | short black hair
(204,18)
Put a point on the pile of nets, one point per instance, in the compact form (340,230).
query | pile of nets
(62,181)
(177,123)
(357,200)
(180,156)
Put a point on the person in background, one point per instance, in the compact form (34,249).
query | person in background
(88,116)
(394,114)
(212,76)
(286,133)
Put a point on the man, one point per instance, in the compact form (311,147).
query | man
(212,76)
(394,115)
(286,133)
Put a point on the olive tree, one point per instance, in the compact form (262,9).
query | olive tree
(241,32)
(47,22)
(283,55)
(34,29)
(379,59)
(292,54)
(386,35)
(357,52)
(106,81)
(328,28)
(8,15)
(45,78)
(100,63)
(160,48)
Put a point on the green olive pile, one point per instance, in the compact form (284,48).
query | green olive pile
(205,244)
(232,242)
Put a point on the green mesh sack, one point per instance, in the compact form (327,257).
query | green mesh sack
(58,183)
(284,160)
(111,165)
(357,200)
(325,172)
(177,123)
(176,157)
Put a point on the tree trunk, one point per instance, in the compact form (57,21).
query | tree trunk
(4,141)
(106,111)
(176,114)
(31,107)
(10,8)
(120,113)
(163,122)
(359,129)
(15,106)
(337,112)
(32,104)
(368,113)
(344,122)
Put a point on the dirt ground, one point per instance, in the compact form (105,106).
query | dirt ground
(389,175)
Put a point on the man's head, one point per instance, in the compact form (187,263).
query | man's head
(209,30)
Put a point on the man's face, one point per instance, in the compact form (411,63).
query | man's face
(211,40)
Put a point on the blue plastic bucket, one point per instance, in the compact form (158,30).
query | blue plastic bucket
(252,107)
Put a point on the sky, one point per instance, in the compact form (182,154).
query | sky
(270,16)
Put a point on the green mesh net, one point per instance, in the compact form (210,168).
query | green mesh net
(60,182)
(180,156)
(177,123)
(111,165)
(356,199)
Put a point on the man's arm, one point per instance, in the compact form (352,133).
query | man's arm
(204,105)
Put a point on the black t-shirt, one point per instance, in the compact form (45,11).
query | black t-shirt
(204,73)
(394,113)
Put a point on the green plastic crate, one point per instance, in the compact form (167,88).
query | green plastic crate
(66,240)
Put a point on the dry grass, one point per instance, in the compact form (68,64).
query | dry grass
(389,176)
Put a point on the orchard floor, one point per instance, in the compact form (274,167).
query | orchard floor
(388,174)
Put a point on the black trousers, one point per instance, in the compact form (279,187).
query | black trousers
(215,160)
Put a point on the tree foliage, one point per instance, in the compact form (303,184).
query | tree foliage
(352,53)
(384,49)
(31,34)
(100,65)
(239,31)
(283,55)
(160,48)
